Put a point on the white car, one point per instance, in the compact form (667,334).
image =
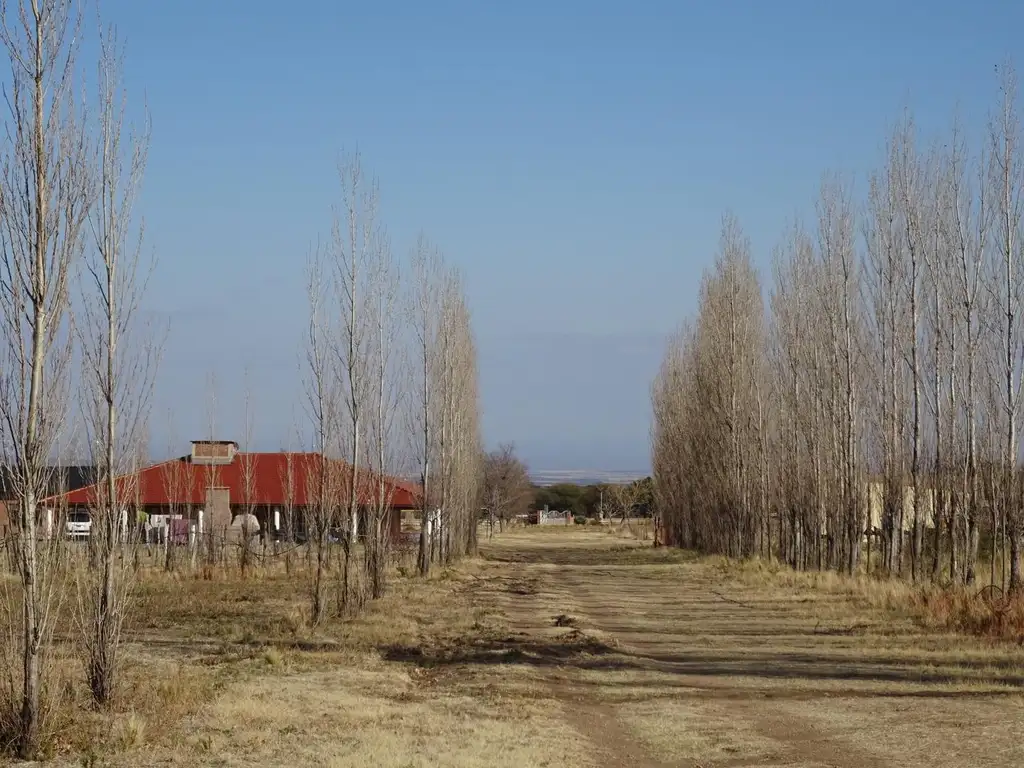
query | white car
(79,525)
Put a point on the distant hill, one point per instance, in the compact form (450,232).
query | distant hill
(584,476)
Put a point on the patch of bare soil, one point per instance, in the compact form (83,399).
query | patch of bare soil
(612,742)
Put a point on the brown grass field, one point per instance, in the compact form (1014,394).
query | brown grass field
(559,648)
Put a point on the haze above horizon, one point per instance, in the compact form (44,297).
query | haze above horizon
(574,161)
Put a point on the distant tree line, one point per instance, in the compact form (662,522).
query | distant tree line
(508,492)
(589,500)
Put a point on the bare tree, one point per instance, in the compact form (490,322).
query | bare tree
(425,300)
(886,269)
(177,486)
(216,528)
(469,445)
(458,442)
(288,508)
(674,486)
(356,366)
(841,291)
(471,451)
(444,414)
(247,468)
(446,385)
(967,233)
(911,180)
(730,397)
(625,497)
(356,238)
(384,377)
(507,491)
(940,331)
(1006,282)
(793,322)
(731,319)
(119,366)
(44,199)
(719,497)
(320,490)
(288,486)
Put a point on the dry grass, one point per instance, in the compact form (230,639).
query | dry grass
(227,671)
(978,611)
(686,730)
(330,699)
(376,714)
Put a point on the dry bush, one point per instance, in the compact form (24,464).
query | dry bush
(152,695)
(58,668)
(128,732)
(151,706)
(639,528)
(58,701)
(404,554)
(982,612)
(972,612)
(273,656)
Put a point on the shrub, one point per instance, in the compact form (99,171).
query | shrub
(580,520)
(273,657)
(128,732)
(978,613)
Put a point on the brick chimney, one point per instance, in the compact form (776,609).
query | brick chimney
(213,451)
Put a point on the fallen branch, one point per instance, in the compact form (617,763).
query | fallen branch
(731,600)
(839,630)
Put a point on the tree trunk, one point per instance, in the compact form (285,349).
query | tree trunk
(28,738)
(1015,553)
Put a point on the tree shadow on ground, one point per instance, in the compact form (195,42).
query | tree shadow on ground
(613,554)
(577,650)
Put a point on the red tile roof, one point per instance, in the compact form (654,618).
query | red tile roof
(180,482)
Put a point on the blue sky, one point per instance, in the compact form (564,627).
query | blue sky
(574,158)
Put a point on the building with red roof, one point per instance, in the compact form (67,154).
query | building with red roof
(216,482)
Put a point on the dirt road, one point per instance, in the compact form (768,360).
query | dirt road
(660,662)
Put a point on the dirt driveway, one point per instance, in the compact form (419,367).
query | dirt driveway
(661,662)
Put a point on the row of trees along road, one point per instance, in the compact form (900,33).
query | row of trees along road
(71,279)
(391,391)
(391,379)
(884,374)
